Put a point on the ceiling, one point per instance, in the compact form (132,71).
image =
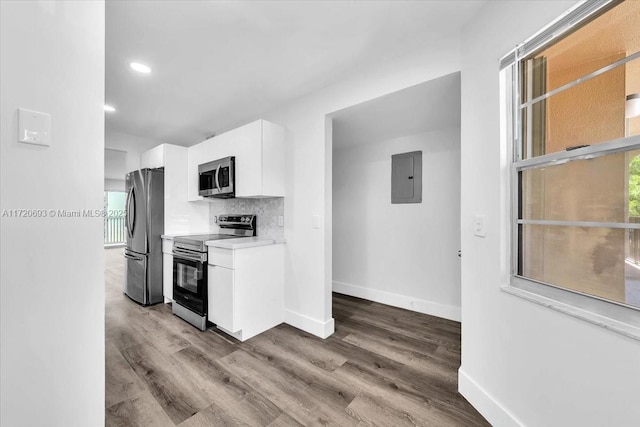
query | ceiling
(219,64)
(422,108)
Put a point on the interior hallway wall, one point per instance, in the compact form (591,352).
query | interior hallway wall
(52,267)
(115,162)
(133,145)
(403,255)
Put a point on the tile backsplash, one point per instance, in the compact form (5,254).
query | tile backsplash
(267,211)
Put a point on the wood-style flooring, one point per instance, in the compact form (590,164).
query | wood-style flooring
(383,366)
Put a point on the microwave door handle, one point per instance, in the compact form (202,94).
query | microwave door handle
(218,179)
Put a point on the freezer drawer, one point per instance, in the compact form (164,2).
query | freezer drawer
(136,273)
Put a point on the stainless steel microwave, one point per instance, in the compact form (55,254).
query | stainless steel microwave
(217,178)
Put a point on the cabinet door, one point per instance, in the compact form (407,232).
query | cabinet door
(247,143)
(167,276)
(221,298)
(153,158)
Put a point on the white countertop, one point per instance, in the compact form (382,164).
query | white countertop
(238,243)
(241,242)
(171,236)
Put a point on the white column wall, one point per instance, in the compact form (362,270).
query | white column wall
(52,267)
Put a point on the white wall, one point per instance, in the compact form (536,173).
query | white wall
(114,185)
(399,254)
(180,216)
(115,167)
(521,362)
(308,260)
(52,293)
(133,145)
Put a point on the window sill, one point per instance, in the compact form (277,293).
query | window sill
(619,319)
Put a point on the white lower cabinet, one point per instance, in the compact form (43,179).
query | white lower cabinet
(221,297)
(246,289)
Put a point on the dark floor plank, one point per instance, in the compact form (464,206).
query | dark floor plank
(422,409)
(304,346)
(328,389)
(405,347)
(292,394)
(175,392)
(285,420)
(251,410)
(140,411)
(209,342)
(403,387)
(425,332)
(225,391)
(374,412)
(122,383)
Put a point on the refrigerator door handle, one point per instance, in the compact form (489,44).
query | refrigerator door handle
(133,257)
(131,212)
(128,208)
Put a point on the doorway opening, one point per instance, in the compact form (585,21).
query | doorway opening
(400,254)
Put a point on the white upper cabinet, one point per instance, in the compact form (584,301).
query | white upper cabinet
(153,158)
(179,216)
(259,166)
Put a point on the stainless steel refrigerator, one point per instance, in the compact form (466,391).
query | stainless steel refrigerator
(144,225)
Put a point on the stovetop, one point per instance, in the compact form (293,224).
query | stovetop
(232,226)
(196,242)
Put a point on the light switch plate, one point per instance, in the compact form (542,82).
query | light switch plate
(34,127)
(316,221)
(479,226)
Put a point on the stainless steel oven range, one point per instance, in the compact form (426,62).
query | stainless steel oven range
(190,267)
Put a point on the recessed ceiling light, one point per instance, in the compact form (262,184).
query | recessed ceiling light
(109,108)
(141,68)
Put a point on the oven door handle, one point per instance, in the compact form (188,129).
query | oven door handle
(187,255)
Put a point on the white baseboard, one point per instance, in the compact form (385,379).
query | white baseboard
(307,324)
(492,410)
(450,312)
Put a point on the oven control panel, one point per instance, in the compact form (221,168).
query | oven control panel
(243,221)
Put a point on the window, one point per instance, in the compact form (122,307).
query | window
(114,208)
(571,94)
